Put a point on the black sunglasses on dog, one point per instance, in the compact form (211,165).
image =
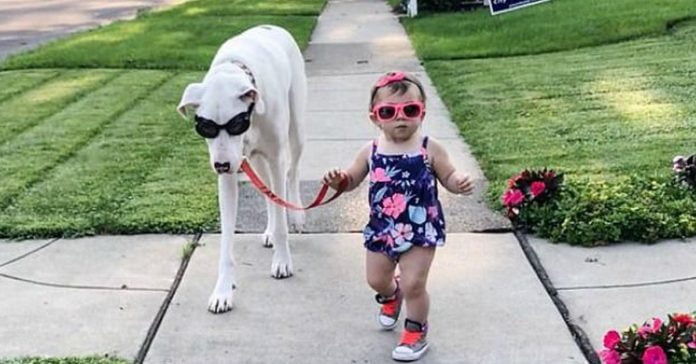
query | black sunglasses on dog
(236,126)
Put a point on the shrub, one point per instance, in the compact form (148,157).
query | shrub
(435,5)
(591,213)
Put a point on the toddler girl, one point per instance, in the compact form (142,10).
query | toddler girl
(406,220)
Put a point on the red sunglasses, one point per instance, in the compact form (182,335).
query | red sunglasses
(410,110)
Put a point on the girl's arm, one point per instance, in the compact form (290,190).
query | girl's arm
(355,173)
(449,177)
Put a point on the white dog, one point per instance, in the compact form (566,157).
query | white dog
(260,75)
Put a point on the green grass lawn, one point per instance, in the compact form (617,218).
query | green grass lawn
(184,37)
(600,112)
(553,26)
(245,7)
(129,165)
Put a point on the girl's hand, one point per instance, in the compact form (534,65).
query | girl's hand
(463,184)
(334,177)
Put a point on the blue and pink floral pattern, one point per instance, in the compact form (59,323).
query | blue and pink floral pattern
(404,208)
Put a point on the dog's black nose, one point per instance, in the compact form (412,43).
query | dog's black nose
(222,167)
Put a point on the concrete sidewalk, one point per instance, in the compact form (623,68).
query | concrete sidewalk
(132,297)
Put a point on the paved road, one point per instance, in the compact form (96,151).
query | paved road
(24,24)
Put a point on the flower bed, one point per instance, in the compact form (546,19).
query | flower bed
(654,342)
(584,212)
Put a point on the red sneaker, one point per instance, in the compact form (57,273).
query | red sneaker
(413,343)
(391,307)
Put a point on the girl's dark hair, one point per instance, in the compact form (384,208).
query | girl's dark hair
(399,87)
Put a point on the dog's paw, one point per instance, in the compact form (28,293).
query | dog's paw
(220,302)
(281,267)
(296,221)
(267,240)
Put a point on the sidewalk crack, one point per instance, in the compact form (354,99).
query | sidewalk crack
(154,327)
(581,339)
(628,285)
(16,259)
(73,286)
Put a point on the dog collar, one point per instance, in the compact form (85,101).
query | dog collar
(246,70)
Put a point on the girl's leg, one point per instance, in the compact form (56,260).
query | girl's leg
(414,266)
(380,273)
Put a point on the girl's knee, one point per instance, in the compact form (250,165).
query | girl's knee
(413,287)
(379,284)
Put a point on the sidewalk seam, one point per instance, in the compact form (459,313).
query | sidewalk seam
(95,288)
(154,327)
(22,256)
(627,285)
(581,339)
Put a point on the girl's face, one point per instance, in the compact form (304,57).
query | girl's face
(402,127)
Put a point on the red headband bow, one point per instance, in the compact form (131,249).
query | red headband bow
(390,78)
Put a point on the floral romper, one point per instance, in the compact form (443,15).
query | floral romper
(404,209)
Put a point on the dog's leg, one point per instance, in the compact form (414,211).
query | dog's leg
(282,261)
(259,163)
(298,99)
(222,297)
(296,217)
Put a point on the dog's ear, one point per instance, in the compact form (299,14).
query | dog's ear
(252,95)
(191,97)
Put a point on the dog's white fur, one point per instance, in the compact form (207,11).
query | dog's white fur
(273,143)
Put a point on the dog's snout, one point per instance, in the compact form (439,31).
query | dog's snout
(222,167)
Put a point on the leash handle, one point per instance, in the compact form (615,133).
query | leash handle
(318,201)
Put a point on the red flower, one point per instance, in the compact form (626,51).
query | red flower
(611,338)
(513,197)
(684,319)
(654,355)
(537,188)
(610,356)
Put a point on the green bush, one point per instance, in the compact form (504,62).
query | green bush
(439,5)
(603,212)
(428,5)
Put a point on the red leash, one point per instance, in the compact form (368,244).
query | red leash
(258,183)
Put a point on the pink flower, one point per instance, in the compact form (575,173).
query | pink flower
(691,345)
(432,212)
(646,329)
(388,240)
(393,206)
(684,319)
(402,233)
(656,325)
(513,197)
(537,188)
(610,356)
(379,175)
(611,338)
(654,355)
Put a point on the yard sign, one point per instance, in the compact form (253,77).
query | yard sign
(502,6)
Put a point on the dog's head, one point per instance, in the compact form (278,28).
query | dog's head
(223,105)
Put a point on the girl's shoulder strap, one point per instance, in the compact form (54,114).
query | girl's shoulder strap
(374,147)
(424,148)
